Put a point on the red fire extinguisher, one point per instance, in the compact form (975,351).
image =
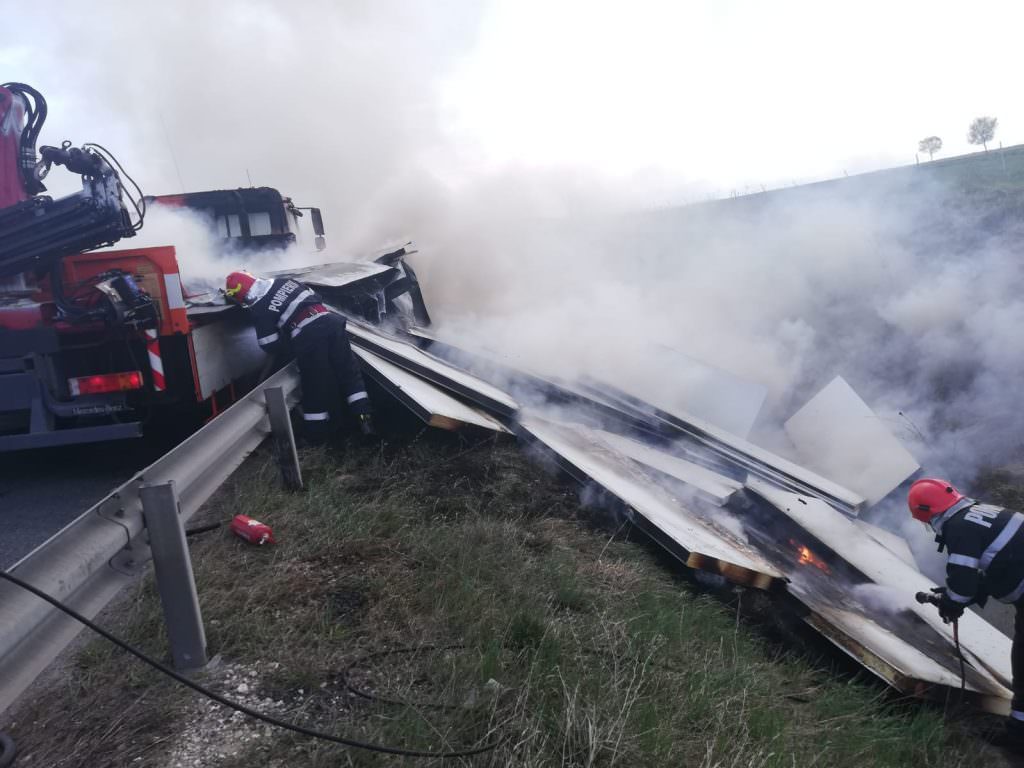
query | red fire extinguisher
(251,530)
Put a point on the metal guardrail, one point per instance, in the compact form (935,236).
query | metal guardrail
(86,563)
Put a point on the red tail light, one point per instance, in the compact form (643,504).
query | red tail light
(107,382)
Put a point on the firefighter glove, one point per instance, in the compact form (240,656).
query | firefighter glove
(949,609)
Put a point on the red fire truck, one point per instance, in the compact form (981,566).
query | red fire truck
(95,344)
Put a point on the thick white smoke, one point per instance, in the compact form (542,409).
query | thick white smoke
(908,290)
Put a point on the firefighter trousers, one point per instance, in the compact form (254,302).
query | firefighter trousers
(1017,665)
(329,372)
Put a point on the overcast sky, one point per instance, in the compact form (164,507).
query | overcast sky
(685,99)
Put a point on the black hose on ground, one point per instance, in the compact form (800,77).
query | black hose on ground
(198,530)
(344,741)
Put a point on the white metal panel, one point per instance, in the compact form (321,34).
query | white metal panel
(741,446)
(225,351)
(334,275)
(421,358)
(432,400)
(713,486)
(891,541)
(837,434)
(625,480)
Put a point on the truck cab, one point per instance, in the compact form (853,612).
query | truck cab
(255,217)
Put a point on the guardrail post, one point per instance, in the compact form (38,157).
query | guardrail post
(174,578)
(284,438)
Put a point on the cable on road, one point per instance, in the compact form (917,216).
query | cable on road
(225,702)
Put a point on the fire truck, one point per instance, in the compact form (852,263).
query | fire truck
(98,345)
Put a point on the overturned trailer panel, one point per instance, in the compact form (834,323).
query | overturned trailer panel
(431,404)
(696,541)
(712,486)
(410,358)
(836,433)
(685,435)
(758,461)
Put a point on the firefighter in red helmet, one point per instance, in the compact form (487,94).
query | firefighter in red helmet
(986,557)
(285,310)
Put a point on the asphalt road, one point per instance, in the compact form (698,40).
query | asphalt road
(42,491)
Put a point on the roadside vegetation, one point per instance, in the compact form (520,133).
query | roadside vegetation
(465,596)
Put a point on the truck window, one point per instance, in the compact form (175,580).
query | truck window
(259,224)
(229,225)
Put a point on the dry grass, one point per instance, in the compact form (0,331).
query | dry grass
(574,649)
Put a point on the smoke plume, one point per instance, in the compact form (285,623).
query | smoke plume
(906,286)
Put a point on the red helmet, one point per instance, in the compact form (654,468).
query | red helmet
(238,285)
(929,497)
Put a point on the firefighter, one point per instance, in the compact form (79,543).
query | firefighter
(285,310)
(986,557)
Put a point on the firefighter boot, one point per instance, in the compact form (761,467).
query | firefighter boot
(315,433)
(366,427)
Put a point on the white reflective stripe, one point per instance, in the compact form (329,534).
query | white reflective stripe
(957,598)
(298,299)
(257,291)
(175,298)
(1014,596)
(1016,714)
(937,522)
(306,321)
(357,396)
(316,416)
(964,560)
(1001,540)
(264,340)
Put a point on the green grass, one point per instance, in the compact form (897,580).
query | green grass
(599,653)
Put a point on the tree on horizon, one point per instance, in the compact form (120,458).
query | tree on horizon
(931,145)
(982,130)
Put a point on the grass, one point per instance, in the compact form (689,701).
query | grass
(495,611)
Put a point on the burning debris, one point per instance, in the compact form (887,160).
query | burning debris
(716,502)
(805,556)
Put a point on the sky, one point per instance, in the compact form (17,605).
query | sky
(734,94)
(673,101)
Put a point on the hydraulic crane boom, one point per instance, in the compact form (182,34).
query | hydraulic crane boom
(36,230)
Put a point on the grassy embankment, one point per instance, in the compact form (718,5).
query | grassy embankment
(601,654)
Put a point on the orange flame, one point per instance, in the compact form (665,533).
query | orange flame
(807,557)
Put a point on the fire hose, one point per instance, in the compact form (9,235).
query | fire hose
(7,753)
(932,598)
